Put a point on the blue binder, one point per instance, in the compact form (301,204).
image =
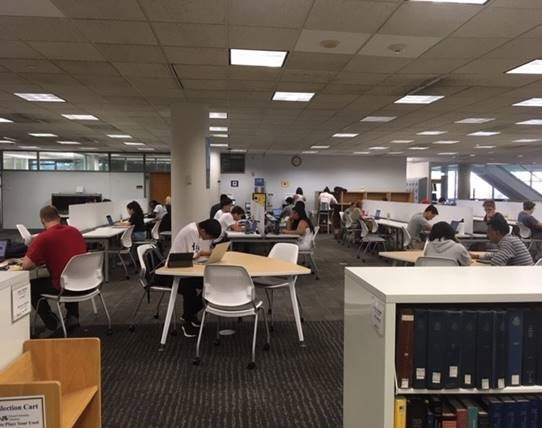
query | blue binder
(499,351)
(435,349)
(468,349)
(419,377)
(495,410)
(484,349)
(514,346)
(530,334)
(452,349)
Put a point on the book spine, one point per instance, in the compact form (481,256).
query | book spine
(404,352)
(400,413)
(468,349)
(514,346)
(435,349)
(530,333)
(452,349)
(419,377)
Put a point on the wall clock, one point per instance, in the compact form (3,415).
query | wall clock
(296,161)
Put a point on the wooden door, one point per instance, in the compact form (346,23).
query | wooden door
(160,186)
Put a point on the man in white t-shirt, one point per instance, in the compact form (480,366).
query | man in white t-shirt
(226,205)
(158,211)
(229,221)
(327,198)
(189,240)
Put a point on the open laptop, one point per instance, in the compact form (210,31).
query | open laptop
(217,254)
(377,214)
(455,225)
(479,227)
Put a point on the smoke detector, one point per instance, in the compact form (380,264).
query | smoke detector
(329,44)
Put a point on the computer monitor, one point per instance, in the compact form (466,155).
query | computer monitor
(3,248)
(277,212)
(377,214)
(109,220)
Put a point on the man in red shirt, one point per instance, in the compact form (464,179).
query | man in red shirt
(53,247)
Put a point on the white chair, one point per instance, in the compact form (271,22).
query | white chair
(407,239)
(435,261)
(25,234)
(369,239)
(538,263)
(149,262)
(125,249)
(228,292)
(155,235)
(82,275)
(309,252)
(288,253)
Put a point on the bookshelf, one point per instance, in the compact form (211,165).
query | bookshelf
(357,196)
(371,298)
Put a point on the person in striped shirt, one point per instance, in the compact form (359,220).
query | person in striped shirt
(511,251)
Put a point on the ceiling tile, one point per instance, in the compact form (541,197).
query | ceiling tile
(201,35)
(359,78)
(455,47)
(292,75)
(9,49)
(201,71)
(142,69)
(191,11)
(376,64)
(528,4)
(131,53)
(88,67)
(489,66)
(428,19)
(244,37)
(521,49)
(29,66)
(199,56)
(253,73)
(354,16)
(70,51)
(100,9)
(269,13)
(337,42)
(317,61)
(345,89)
(29,8)
(398,46)
(430,65)
(40,29)
(134,33)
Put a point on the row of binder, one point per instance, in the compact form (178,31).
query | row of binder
(468,348)
(468,412)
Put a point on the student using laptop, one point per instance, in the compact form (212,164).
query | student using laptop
(419,223)
(188,241)
(230,220)
(442,243)
(137,220)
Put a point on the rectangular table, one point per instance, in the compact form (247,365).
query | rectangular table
(256,266)
(409,257)
(398,228)
(103,235)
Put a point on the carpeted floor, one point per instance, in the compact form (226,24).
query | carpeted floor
(291,386)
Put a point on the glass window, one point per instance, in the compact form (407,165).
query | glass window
(63,161)
(126,162)
(452,184)
(436,173)
(157,162)
(20,160)
(479,188)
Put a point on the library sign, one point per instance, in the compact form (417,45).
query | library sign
(18,412)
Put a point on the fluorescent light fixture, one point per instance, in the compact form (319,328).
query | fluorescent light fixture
(218,145)
(218,115)
(483,133)
(42,134)
(401,141)
(448,153)
(130,143)
(238,150)
(146,149)
(378,118)
(533,67)
(319,147)
(419,99)
(218,128)
(395,153)
(257,58)
(88,148)
(527,140)
(418,148)
(445,142)
(476,120)
(6,142)
(309,152)
(456,1)
(431,132)
(478,146)
(530,122)
(362,153)
(80,117)
(303,97)
(69,143)
(378,148)
(344,135)
(4,120)
(119,136)
(29,147)
(219,135)
(531,102)
(42,98)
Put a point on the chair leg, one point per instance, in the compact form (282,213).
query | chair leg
(124,266)
(132,324)
(267,344)
(197,360)
(157,314)
(133,260)
(300,308)
(217,337)
(109,329)
(94,309)
(269,294)
(35,315)
(252,363)
(61,319)
(314,267)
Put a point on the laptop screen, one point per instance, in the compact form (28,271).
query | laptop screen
(110,220)
(377,214)
(277,212)
(3,248)
(455,225)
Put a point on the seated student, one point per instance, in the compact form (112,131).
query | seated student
(54,247)
(442,243)
(230,221)
(218,206)
(327,198)
(490,209)
(165,224)
(188,240)
(287,209)
(158,211)
(418,224)
(226,205)
(526,218)
(137,220)
(300,224)
(511,251)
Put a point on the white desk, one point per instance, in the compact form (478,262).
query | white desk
(398,227)
(256,266)
(103,235)
(13,333)
(369,356)
(242,237)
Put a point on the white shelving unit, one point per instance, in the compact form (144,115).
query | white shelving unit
(371,297)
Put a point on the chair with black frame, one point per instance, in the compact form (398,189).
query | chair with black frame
(150,260)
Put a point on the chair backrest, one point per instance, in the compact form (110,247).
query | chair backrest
(149,260)
(227,286)
(126,238)
(83,272)
(407,239)
(538,262)
(155,232)
(435,261)
(25,234)
(284,251)
(374,225)
(524,231)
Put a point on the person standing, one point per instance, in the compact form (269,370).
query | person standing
(217,207)
(299,195)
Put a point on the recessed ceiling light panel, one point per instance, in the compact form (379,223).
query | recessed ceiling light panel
(533,67)
(119,136)
(419,99)
(4,120)
(476,120)
(478,146)
(302,97)
(530,122)
(378,118)
(401,141)
(418,148)
(218,115)
(42,98)
(309,152)
(527,140)
(80,117)
(238,150)
(69,143)
(531,102)
(344,135)
(131,143)
(219,135)
(448,153)
(431,133)
(445,142)
(218,145)
(319,147)
(42,134)
(378,148)
(362,153)
(257,58)
(483,133)
(218,128)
